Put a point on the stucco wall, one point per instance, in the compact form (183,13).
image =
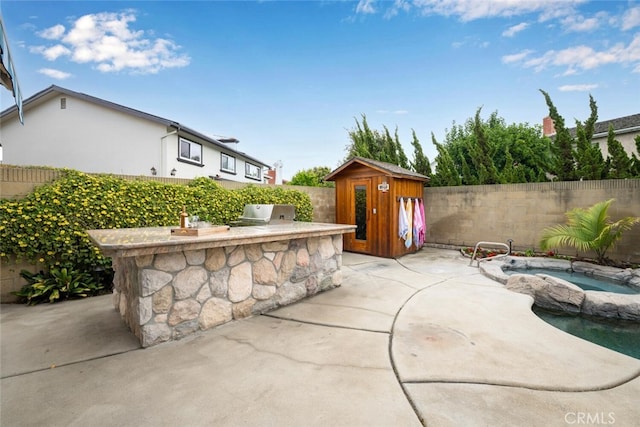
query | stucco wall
(463,216)
(56,137)
(95,139)
(627,140)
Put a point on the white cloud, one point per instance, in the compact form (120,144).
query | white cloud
(106,40)
(52,33)
(366,7)
(470,41)
(54,74)
(516,57)
(578,23)
(51,53)
(577,88)
(512,31)
(398,5)
(631,18)
(583,57)
(469,10)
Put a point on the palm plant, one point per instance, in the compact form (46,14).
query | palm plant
(588,229)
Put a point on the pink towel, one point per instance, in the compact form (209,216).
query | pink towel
(423,222)
(417,224)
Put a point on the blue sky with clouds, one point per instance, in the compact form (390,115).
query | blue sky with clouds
(288,78)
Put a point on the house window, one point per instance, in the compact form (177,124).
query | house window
(252,171)
(190,151)
(227,163)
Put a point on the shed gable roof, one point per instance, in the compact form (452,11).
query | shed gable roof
(46,94)
(383,167)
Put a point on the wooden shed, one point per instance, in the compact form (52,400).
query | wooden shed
(368,194)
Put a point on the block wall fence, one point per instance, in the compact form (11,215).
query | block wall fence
(463,216)
(456,216)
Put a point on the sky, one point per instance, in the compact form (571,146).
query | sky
(289,79)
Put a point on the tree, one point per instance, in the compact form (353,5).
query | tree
(313,177)
(375,145)
(635,161)
(482,156)
(479,150)
(362,141)
(382,146)
(446,173)
(618,161)
(512,173)
(588,229)
(420,162)
(563,166)
(589,162)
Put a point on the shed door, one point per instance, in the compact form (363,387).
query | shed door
(360,208)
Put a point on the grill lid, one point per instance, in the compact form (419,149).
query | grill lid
(260,214)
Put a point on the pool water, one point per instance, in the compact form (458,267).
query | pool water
(588,283)
(622,336)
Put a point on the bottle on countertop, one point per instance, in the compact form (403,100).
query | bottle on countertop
(184,218)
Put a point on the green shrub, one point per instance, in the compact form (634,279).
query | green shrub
(48,227)
(57,284)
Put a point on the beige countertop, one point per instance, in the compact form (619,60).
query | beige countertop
(125,242)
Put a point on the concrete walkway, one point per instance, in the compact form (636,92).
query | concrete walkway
(423,340)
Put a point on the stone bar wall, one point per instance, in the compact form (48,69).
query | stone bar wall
(167,296)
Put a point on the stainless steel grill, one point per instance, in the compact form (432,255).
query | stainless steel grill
(265,215)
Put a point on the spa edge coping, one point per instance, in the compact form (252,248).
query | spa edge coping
(129,242)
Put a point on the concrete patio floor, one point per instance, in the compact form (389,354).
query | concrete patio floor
(423,340)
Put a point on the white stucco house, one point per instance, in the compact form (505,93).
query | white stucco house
(63,128)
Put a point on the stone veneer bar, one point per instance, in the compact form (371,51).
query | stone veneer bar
(167,287)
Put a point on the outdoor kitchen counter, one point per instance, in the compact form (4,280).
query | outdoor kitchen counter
(126,242)
(168,286)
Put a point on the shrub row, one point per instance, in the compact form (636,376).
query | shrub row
(48,227)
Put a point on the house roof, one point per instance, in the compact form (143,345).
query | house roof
(384,167)
(46,94)
(620,125)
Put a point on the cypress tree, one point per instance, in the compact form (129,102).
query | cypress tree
(487,172)
(389,152)
(420,162)
(589,161)
(446,173)
(403,161)
(563,163)
(619,162)
(635,161)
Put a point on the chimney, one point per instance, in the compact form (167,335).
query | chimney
(548,127)
(274,175)
(270,176)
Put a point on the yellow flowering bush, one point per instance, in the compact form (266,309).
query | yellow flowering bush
(48,227)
